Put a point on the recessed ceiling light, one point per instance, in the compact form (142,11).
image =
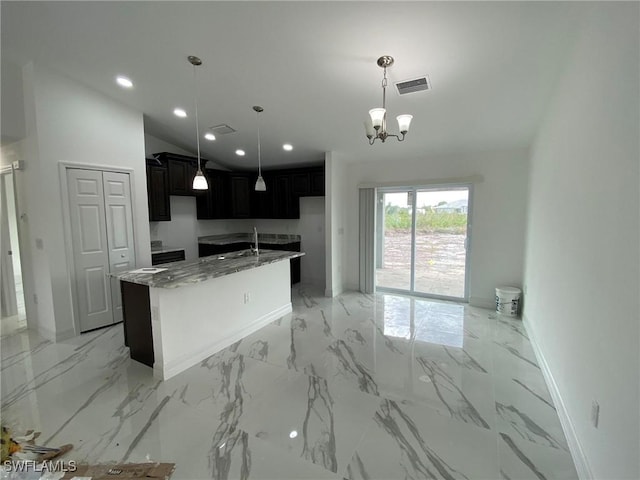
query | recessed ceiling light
(124,82)
(178,112)
(240,153)
(288,147)
(293,434)
(210,136)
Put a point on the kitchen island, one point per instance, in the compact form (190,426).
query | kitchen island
(178,314)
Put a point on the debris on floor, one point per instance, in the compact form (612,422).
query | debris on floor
(16,448)
(124,471)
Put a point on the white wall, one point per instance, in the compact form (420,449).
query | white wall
(157,145)
(12,102)
(181,231)
(8,154)
(67,122)
(499,210)
(335,207)
(582,255)
(310,227)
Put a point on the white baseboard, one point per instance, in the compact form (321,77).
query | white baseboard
(482,302)
(54,336)
(171,369)
(577,453)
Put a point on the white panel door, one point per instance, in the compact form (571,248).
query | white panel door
(119,217)
(90,249)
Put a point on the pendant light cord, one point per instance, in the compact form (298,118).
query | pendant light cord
(259,161)
(195,101)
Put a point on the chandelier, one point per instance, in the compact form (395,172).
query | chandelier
(376,125)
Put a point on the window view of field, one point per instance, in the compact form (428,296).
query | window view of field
(441,230)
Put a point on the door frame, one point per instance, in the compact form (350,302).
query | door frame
(66,220)
(430,186)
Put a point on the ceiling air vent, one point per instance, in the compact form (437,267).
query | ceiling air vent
(414,85)
(222,129)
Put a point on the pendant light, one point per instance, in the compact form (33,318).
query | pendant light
(376,125)
(199,181)
(260,185)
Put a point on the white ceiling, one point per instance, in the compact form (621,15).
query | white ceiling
(311,65)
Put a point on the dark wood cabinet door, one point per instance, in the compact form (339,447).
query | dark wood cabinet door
(158,194)
(262,203)
(206,249)
(286,204)
(181,175)
(213,203)
(317,183)
(240,195)
(300,186)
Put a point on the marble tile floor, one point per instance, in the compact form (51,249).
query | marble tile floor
(356,387)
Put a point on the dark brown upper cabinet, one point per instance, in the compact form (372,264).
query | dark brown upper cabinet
(213,203)
(158,193)
(316,182)
(240,195)
(230,194)
(181,175)
(300,184)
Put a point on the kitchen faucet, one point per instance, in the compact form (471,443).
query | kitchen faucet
(254,250)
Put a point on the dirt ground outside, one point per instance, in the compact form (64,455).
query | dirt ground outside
(440,262)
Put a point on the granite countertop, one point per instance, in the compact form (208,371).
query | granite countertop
(266,238)
(163,249)
(181,274)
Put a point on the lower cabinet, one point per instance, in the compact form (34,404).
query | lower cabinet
(205,249)
(167,257)
(136,313)
(295,262)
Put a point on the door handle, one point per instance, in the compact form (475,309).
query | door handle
(122,255)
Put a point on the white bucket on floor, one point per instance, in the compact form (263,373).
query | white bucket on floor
(508,301)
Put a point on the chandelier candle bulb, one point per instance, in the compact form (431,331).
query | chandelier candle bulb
(368,128)
(403,122)
(377,117)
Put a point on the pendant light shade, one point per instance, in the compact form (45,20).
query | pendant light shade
(199,181)
(261,186)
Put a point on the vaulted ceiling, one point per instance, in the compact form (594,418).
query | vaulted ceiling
(312,66)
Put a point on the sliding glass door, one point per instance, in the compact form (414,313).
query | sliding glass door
(421,240)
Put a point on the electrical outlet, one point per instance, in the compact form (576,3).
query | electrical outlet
(247,297)
(595,413)
(35,299)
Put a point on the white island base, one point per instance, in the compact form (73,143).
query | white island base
(192,322)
